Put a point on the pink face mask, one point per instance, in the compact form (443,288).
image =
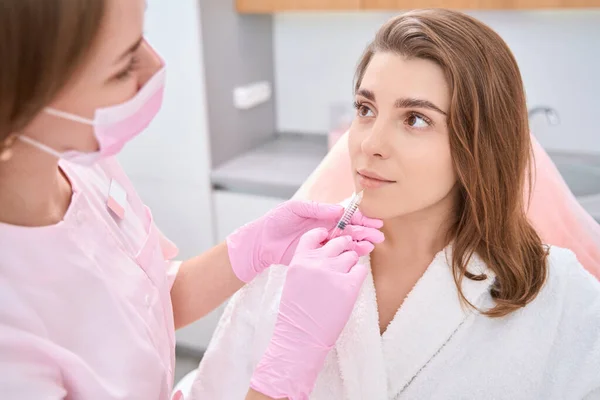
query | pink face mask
(114,126)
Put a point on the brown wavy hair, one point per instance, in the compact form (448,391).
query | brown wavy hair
(42,43)
(490,145)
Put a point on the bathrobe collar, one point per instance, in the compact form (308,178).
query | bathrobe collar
(426,321)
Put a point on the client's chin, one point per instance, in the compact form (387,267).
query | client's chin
(371,208)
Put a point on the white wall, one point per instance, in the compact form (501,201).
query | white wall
(169,163)
(558,53)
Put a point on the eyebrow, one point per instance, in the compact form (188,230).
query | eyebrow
(403,102)
(131,49)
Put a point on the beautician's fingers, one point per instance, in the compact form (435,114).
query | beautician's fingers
(314,210)
(312,240)
(359,219)
(344,262)
(363,248)
(338,245)
(356,276)
(360,233)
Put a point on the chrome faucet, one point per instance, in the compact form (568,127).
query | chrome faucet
(550,113)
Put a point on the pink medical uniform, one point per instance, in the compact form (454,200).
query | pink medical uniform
(85,307)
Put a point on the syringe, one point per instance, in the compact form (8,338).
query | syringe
(347,217)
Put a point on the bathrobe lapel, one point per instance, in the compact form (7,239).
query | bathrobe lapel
(358,349)
(430,315)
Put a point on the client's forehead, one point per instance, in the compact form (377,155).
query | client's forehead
(390,77)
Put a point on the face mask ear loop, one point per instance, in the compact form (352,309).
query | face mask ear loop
(71,117)
(40,146)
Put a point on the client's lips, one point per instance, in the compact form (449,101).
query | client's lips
(372,180)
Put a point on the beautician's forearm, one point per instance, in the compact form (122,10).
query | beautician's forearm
(202,284)
(254,395)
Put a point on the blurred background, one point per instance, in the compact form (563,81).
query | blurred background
(258,90)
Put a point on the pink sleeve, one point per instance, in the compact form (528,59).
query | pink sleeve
(558,217)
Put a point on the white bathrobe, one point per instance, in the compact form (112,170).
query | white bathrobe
(434,348)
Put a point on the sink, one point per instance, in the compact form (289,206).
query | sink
(581,172)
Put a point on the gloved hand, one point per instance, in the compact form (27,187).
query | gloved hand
(273,238)
(321,288)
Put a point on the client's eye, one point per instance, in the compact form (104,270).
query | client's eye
(417,121)
(362,110)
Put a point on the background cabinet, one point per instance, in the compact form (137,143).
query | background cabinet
(273,6)
(477,4)
(270,6)
(232,210)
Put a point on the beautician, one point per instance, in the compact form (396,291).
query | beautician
(89,294)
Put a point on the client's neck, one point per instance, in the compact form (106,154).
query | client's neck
(415,238)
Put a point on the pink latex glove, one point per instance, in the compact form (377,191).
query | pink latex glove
(320,290)
(273,238)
